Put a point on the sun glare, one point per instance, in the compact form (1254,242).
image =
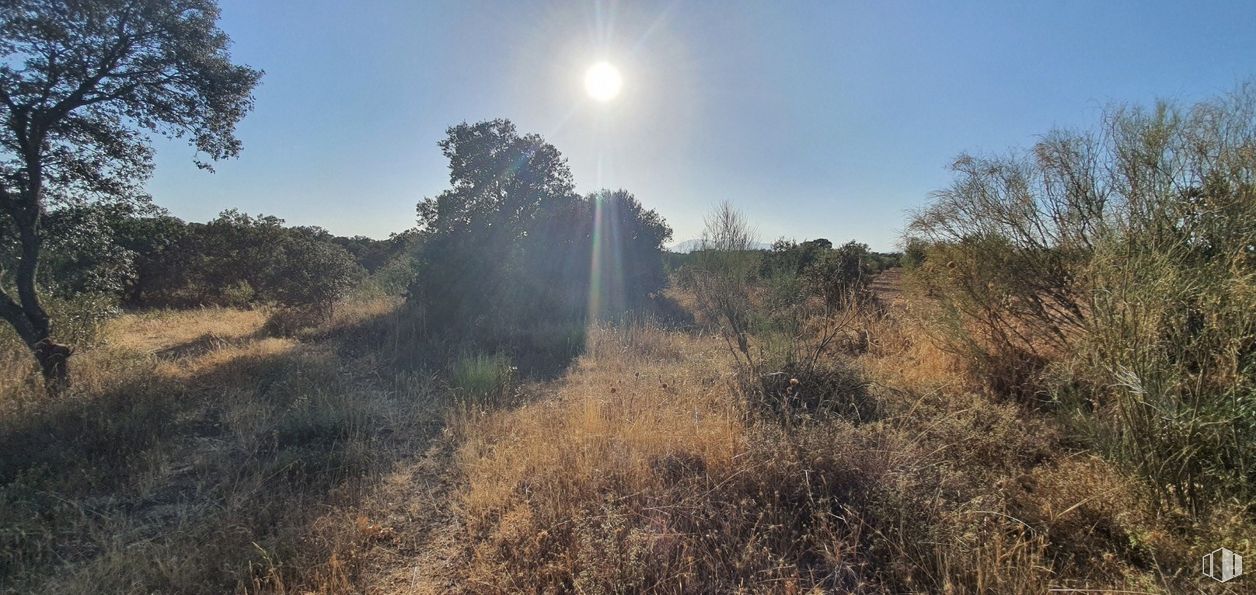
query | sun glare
(602,81)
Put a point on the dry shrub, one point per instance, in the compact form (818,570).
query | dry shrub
(1111,274)
(1095,520)
(1002,558)
(288,321)
(825,388)
(1090,523)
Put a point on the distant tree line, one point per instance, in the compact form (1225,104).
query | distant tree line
(150,259)
(835,274)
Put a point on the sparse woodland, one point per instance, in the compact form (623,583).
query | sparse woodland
(1053,385)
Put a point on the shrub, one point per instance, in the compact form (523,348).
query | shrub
(391,278)
(80,320)
(83,254)
(721,276)
(240,260)
(237,294)
(1115,274)
(841,277)
(819,389)
(914,253)
(792,258)
(309,273)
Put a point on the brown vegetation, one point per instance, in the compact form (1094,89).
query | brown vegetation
(645,471)
(198,454)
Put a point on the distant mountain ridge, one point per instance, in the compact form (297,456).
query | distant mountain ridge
(688,246)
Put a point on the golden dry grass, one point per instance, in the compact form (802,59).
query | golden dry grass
(164,329)
(195,453)
(642,469)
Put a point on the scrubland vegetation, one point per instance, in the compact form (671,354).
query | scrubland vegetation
(1053,386)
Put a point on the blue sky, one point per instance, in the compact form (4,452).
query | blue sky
(826,119)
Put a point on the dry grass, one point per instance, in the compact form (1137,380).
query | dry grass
(165,329)
(197,454)
(642,470)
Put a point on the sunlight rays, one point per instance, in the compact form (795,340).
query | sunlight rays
(606,274)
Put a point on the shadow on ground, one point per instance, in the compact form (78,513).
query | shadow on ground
(209,466)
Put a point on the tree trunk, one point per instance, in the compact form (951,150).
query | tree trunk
(54,364)
(26,314)
(53,358)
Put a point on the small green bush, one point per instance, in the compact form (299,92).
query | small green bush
(238,294)
(483,379)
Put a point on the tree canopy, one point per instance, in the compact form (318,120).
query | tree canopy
(512,241)
(83,85)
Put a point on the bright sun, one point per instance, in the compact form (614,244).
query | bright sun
(602,81)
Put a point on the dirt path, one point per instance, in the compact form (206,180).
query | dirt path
(414,526)
(888,285)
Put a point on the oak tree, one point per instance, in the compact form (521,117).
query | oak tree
(84,84)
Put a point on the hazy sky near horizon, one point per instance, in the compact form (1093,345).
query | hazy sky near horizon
(824,119)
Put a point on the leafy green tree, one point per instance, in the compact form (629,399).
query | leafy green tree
(628,240)
(81,85)
(306,270)
(224,261)
(500,181)
(511,242)
(597,256)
